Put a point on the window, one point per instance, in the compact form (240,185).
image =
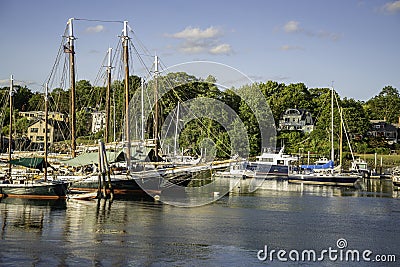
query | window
(39,138)
(267,160)
(34,130)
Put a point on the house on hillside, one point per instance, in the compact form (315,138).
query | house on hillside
(387,131)
(57,131)
(296,120)
(98,121)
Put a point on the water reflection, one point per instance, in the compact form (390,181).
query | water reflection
(364,188)
(229,231)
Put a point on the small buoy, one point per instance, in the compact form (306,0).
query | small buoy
(157,197)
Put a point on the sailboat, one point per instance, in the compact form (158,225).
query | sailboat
(118,183)
(143,166)
(26,184)
(325,174)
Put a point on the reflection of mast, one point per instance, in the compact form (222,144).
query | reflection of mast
(10,129)
(106,133)
(126,64)
(71,52)
(156,106)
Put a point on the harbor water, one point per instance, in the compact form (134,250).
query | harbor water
(239,229)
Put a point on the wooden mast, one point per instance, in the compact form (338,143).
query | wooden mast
(106,133)
(46,112)
(71,52)
(11,126)
(126,64)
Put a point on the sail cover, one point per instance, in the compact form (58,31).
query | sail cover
(33,163)
(93,157)
(328,165)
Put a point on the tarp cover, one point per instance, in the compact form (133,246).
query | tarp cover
(33,163)
(328,165)
(93,157)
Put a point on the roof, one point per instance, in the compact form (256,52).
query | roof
(297,112)
(59,124)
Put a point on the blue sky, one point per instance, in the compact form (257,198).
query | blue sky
(353,43)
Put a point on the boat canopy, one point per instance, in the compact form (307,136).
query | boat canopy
(90,158)
(328,165)
(33,163)
(93,157)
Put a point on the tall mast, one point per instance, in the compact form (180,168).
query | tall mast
(46,112)
(176,130)
(332,146)
(126,64)
(341,138)
(71,52)
(11,126)
(142,106)
(156,105)
(106,133)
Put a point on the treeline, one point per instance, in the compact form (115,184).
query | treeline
(205,131)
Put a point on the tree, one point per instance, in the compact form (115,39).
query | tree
(21,98)
(386,105)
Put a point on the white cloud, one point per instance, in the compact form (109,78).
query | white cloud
(292,26)
(196,33)
(5,82)
(95,29)
(392,7)
(192,47)
(291,47)
(197,40)
(221,49)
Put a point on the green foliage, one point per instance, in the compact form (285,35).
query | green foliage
(243,101)
(386,105)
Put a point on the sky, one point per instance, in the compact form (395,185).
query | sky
(354,44)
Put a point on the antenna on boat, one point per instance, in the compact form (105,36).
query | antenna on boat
(71,52)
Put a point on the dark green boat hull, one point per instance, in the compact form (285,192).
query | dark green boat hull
(34,190)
